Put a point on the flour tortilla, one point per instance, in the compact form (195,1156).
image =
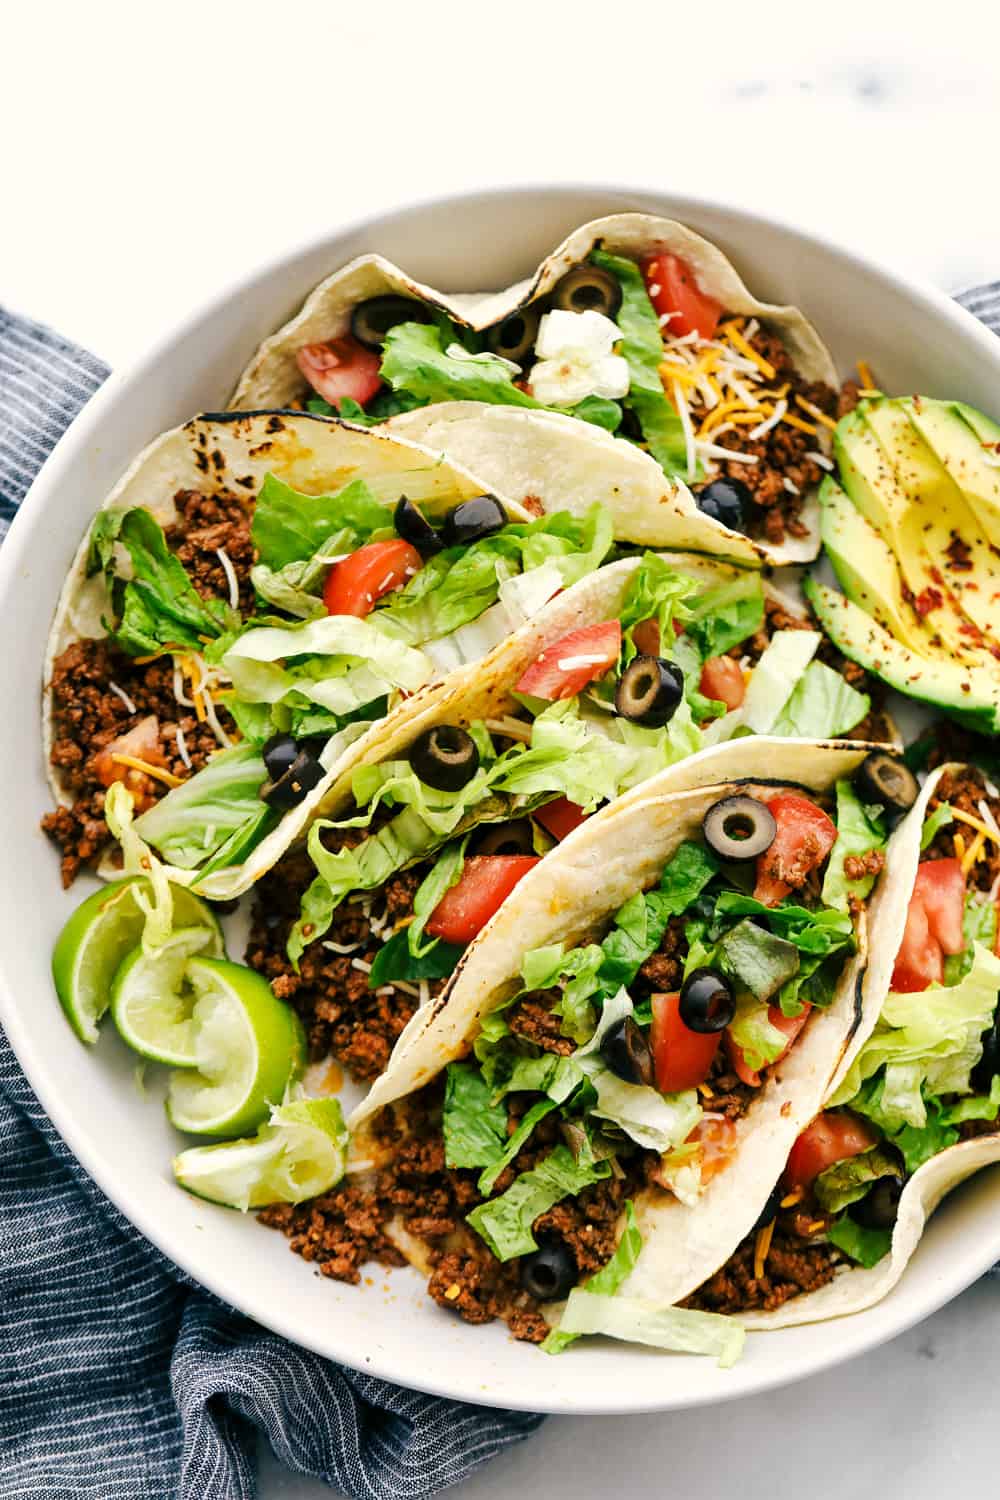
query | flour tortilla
(570,898)
(533,455)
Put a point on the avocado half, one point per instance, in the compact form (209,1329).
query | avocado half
(913,535)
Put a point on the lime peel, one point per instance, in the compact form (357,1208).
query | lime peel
(300,1153)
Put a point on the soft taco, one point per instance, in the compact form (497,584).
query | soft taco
(633,363)
(914,1107)
(633,1043)
(255,601)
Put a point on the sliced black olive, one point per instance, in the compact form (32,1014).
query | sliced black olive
(883,777)
(588,289)
(550,1272)
(445,757)
(649,691)
(371,320)
(279,752)
(879,1207)
(706,1001)
(726,501)
(413,526)
(739,828)
(288,790)
(770,1210)
(626,1052)
(988,1066)
(515,337)
(507,838)
(472,520)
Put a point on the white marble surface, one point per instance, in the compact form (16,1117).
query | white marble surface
(152,158)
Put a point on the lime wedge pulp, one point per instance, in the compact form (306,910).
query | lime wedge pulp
(151,1003)
(299,1153)
(99,935)
(250,1046)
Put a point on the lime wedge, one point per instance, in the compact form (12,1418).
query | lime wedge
(249,1045)
(300,1153)
(96,939)
(151,1002)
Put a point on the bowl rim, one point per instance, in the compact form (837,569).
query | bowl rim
(858,1334)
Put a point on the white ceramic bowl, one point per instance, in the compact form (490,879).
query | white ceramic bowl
(914,337)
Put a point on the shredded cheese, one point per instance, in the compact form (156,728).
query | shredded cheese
(705,1091)
(974,851)
(820,458)
(182,749)
(121,693)
(685,416)
(761,1249)
(964,817)
(359,963)
(794,421)
(865,375)
(230,572)
(959,843)
(157,772)
(815,1225)
(732,333)
(814,411)
(986,813)
(795,1196)
(780,408)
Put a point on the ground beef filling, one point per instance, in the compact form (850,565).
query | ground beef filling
(783,453)
(343,1017)
(875,726)
(87,715)
(796,1262)
(416,1192)
(964,790)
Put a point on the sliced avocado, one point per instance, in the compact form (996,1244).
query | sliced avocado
(938,517)
(867,569)
(961,448)
(869,478)
(969,694)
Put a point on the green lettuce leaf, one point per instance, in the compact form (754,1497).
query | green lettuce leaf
(161,608)
(607,1280)
(860,830)
(821,706)
(849,1180)
(938,819)
(642,348)
(979,925)
(865,1246)
(528,1121)
(420,358)
(655,1121)
(681,1330)
(975,1106)
(723,616)
(505,1222)
(445,872)
(289,527)
(395,961)
(762,961)
(543,968)
(192,823)
(474,1126)
(656,591)
(754,1033)
(597,410)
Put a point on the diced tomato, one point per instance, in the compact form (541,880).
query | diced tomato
(804,837)
(564,668)
(789,1026)
(673,289)
(559,817)
(681,1057)
(341,367)
(933,925)
(141,742)
(833,1136)
(722,678)
(485,883)
(355,584)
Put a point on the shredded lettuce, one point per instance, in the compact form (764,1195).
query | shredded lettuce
(445,872)
(865,1246)
(417,358)
(656,1121)
(196,820)
(160,606)
(821,705)
(723,616)
(139,859)
(774,678)
(290,527)
(607,1280)
(979,925)
(642,348)
(637,1320)
(938,819)
(860,830)
(505,1222)
(395,961)
(762,961)
(528,1121)
(927,1043)
(474,1126)
(757,1037)
(656,591)
(850,1180)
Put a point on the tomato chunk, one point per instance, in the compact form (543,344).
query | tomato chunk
(933,925)
(789,1026)
(141,742)
(354,585)
(646,636)
(833,1136)
(804,838)
(564,668)
(559,817)
(341,368)
(485,883)
(722,678)
(673,290)
(681,1057)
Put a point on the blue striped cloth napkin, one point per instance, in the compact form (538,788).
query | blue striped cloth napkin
(120,1378)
